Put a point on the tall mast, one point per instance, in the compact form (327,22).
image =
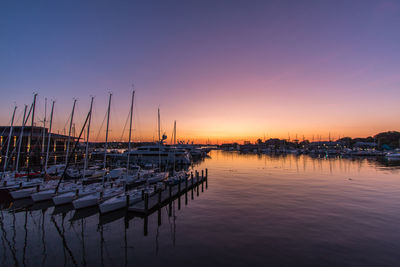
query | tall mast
(130,130)
(87,139)
(9,140)
(69,132)
(31,136)
(49,138)
(44,128)
(20,139)
(159,141)
(106,143)
(174,144)
(159,133)
(174,132)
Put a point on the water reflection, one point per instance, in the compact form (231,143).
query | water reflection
(55,227)
(258,210)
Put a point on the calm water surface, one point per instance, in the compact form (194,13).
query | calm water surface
(258,210)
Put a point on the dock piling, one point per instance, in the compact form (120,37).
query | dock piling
(186,190)
(146,202)
(197,183)
(127,200)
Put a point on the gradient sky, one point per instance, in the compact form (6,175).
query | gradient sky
(225,70)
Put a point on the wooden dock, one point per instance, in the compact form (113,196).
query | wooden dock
(161,198)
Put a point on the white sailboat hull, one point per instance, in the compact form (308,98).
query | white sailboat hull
(119,202)
(95,199)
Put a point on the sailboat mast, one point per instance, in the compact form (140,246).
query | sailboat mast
(49,138)
(44,127)
(69,132)
(159,130)
(130,131)
(9,140)
(106,143)
(174,132)
(20,139)
(85,163)
(31,136)
(159,140)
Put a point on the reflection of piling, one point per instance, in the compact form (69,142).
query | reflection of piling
(206,178)
(146,202)
(179,194)
(145,224)
(186,189)
(159,198)
(127,200)
(170,203)
(159,216)
(191,178)
(197,182)
(202,181)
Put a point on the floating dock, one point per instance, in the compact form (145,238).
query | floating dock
(162,197)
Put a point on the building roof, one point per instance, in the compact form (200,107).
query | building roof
(37,132)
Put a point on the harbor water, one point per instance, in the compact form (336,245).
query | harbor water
(258,210)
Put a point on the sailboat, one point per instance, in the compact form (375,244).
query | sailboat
(101,192)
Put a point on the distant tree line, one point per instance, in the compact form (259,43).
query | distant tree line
(385,140)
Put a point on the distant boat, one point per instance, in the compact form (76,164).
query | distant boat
(393,156)
(156,153)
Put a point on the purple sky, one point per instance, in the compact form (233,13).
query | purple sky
(225,70)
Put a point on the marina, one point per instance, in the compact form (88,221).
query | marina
(199,133)
(344,204)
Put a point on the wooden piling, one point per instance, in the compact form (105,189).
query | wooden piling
(202,180)
(186,190)
(206,178)
(197,183)
(192,179)
(127,200)
(146,202)
(142,194)
(145,225)
(159,197)
(159,216)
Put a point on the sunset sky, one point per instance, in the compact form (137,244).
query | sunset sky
(224,70)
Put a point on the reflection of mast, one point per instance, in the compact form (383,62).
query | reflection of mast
(5,239)
(174,231)
(65,245)
(157,234)
(126,243)
(101,245)
(43,240)
(83,243)
(26,237)
(14,232)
